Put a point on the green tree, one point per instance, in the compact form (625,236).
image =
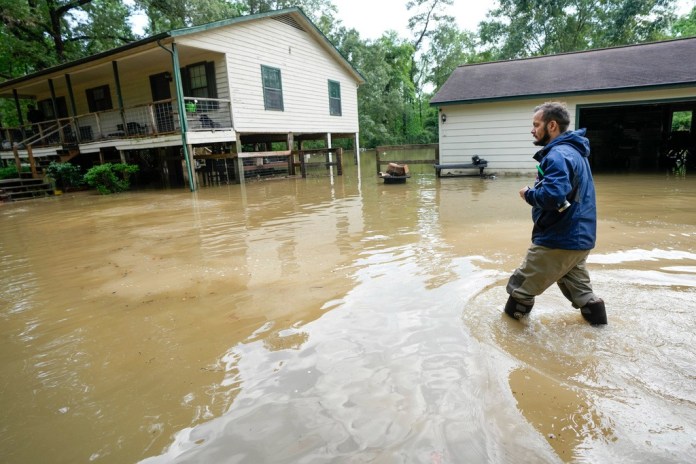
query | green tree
(449,48)
(165,15)
(685,26)
(384,111)
(312,8)
(428,16)
(38,34)
(519,28)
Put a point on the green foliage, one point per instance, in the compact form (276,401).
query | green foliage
(685,26)
(165,15)
(65,175)
(520,28)
(449,48)
(10,172)
(110,178)
(681,120)
(37,34)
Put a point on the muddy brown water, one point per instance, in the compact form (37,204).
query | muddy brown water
(341,320)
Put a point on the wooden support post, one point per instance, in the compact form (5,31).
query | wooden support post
(193,182)
(239,161)
(151,119)
(329,159)
(32,162)
(303,164)
(18,162)
(291,157)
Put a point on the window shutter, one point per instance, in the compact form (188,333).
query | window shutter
(210,77)
(185,82)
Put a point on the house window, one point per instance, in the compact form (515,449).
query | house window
(272,88)
(46,108)
(334,98)
(99,99)
(199,81)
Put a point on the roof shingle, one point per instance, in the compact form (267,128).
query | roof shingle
(668,63)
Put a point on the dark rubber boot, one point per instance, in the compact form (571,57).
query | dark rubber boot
(594,312)
(515,309)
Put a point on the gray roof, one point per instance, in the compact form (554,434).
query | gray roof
(657,64)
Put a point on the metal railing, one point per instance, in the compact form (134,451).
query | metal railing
(156,118)
(207,114)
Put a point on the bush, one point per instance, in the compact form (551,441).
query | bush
(65,175)
(10,172)
(110,178)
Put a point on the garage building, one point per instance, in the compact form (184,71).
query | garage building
(637,103)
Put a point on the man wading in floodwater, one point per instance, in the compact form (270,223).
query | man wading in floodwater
(565,219)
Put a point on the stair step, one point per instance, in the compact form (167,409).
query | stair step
(24,189)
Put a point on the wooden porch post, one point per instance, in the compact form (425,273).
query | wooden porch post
(32,162)
(356,146)
(329,156)
(73,108)
(193,182)
(18,162)
(178,86)
(119,96)
(239,162)
(52,88)
(291,157)
(20,118)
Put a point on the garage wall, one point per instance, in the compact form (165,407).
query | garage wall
(500,132)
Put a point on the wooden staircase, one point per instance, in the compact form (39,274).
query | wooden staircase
(24,188)
(68,152)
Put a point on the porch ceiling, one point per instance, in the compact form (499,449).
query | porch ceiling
(149,60)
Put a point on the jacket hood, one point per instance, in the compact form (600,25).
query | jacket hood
(575,138)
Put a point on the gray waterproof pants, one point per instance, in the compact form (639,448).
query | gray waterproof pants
(543,266)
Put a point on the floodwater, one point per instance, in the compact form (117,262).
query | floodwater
(341,320)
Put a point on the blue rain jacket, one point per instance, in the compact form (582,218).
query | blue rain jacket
(566,176)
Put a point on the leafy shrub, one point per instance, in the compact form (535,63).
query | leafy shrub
(110,178)
(10,172)
(66,175)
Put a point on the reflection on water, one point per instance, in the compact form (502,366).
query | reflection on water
(341,320)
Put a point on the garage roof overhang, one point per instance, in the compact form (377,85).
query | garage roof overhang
(667,64)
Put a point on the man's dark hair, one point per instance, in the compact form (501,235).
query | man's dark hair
(555,111)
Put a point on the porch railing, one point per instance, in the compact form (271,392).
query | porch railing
(157,118)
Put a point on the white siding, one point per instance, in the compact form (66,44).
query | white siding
(306,67)
(501,132)
(187,57)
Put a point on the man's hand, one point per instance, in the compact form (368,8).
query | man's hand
(523,191)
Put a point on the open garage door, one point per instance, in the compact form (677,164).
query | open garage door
(655,137)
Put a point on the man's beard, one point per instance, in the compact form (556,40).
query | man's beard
(542,142)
